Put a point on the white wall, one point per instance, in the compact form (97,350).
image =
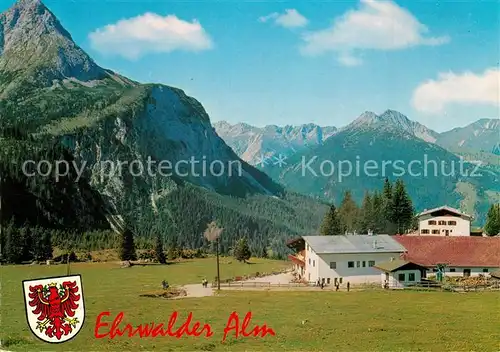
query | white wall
(395,282)
(320,266)
(462,228)
(459,271)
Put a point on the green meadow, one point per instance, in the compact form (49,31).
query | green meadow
(370,320)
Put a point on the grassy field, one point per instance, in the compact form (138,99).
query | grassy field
(345,321)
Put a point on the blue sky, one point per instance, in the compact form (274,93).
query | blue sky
(324,61)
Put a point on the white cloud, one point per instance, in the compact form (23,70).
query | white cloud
(290,19)
(375,25)
(150,33)
(465,88)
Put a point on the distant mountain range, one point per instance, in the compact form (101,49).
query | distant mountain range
(251,142)
(392,137)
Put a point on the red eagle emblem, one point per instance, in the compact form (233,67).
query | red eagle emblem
(55,306)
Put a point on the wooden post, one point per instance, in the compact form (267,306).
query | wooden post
(218,269)
(67,265)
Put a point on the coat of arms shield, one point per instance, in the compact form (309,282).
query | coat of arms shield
(55,310)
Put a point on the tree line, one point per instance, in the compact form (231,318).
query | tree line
(388,211)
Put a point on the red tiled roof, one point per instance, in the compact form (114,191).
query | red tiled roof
(460,251)
(296,260)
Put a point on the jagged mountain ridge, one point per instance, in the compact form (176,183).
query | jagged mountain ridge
(59,93)
(251,143)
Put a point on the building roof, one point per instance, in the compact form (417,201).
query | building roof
(296,260)
(353,244)
(455,251)
(445,208)
(297,244)
(396,264)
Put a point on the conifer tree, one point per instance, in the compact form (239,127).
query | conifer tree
(242,250)
(13,244)
(492,227)
(331,223)
(348,212)
(387,195)
(367,220)
(379,217)
(401,209)
(127,245)
(47,245)
(160,255)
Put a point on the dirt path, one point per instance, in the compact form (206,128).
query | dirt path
(197,290)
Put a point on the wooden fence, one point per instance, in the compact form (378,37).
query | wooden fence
(263,284)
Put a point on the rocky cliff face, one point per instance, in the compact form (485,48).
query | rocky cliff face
(251,143)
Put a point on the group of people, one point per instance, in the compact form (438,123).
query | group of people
(337,285)
(204,283)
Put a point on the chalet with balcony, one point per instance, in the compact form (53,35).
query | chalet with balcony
(444,221)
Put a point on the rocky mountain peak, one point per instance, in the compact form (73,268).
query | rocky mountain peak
(392,120)
(32,40)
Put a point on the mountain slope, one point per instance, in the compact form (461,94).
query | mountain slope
(251,143)
(189,175)
(480,136)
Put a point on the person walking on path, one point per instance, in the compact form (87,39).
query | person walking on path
(348,286)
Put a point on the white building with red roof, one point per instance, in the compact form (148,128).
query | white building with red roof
(462,255)
(444,221)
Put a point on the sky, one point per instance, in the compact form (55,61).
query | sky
(295,62)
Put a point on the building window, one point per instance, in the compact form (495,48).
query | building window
(358,264)
(328,281)
(411,277)
(466,272)
(452,270)
(452,223)
(432,222)
(350,264)
(364,264)
(434,270)
(434,232)
(424,231)
(307,247)
(333,265)
(371,263)
(485,270)
(309,261)
(442,222)
(314,262)
(401,277)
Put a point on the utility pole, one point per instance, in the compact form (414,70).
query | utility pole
(212,233)
(218,271)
